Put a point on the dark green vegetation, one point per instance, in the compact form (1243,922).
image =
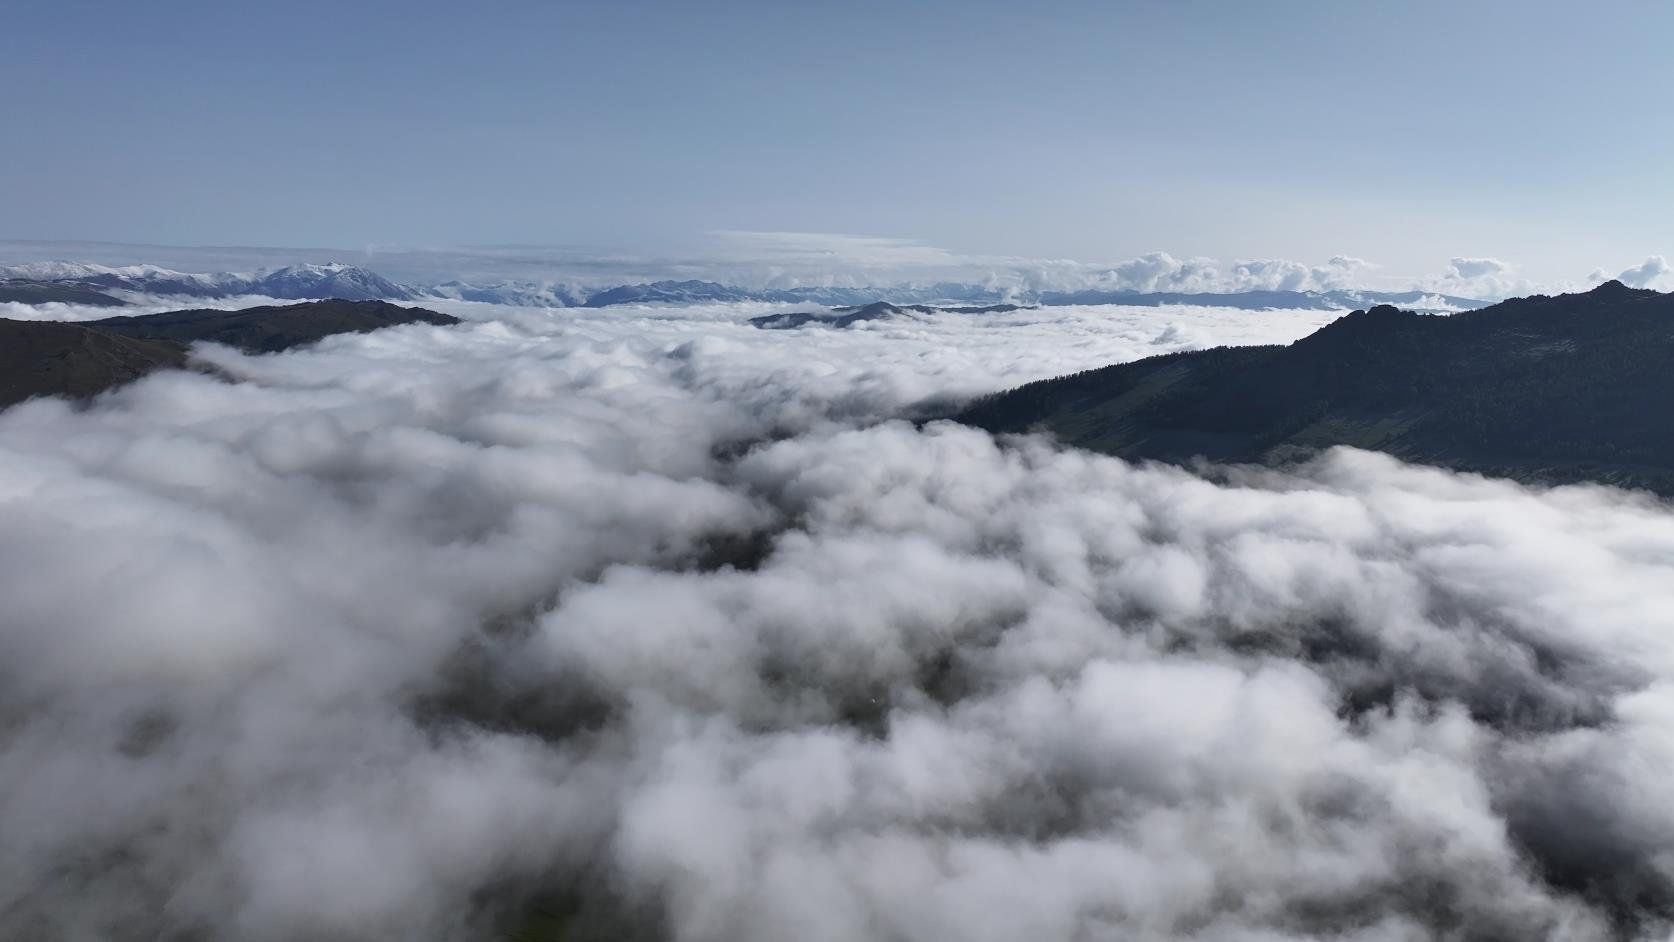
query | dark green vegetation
(844,317)
(1552,389)
(271,328)
(840,318)
(29,291)
(52,358)
(56,359)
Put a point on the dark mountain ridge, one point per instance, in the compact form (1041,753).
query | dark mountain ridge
(83,358)
(52,358)
(841,318)
(36,291)
(1565,388)
(270,328)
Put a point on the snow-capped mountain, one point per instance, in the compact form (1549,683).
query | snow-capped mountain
(351,282)
(293,282)
(519,293)
(144,279)
(334,280)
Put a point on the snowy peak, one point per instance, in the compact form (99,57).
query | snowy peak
(331,280)
(517,293)
(293,282)
(144,279)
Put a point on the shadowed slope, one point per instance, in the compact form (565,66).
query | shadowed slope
(49,358)
(1561,388)
(271,328)
(53,359)
(31,291)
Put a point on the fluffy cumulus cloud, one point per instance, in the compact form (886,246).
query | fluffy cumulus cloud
(1488,278)
(1340,271)
(646,624)
(1466,269)
(1160,271)
(799,259)
(1647,274)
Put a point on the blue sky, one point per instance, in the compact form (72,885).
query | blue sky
(1401,133)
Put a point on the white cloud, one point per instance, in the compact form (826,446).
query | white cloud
(1486,278)
(1646,274)
(1159,271)
(1340,271)
(1466,269)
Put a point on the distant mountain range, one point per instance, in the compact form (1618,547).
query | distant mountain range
(83,358)
(695,292)
(346,282)
(1566,388)
(63,280)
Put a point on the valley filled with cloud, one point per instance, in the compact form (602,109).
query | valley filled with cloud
(645,623)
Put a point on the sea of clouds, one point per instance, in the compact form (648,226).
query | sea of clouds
(642,623)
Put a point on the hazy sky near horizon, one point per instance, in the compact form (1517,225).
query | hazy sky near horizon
(1404,134)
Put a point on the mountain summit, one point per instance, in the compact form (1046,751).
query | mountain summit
(1573,387)
(333,280)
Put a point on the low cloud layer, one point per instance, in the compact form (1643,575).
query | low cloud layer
(138,306)
(663,627)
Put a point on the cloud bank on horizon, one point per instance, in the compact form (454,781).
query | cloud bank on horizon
(668,627)
(793,260)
